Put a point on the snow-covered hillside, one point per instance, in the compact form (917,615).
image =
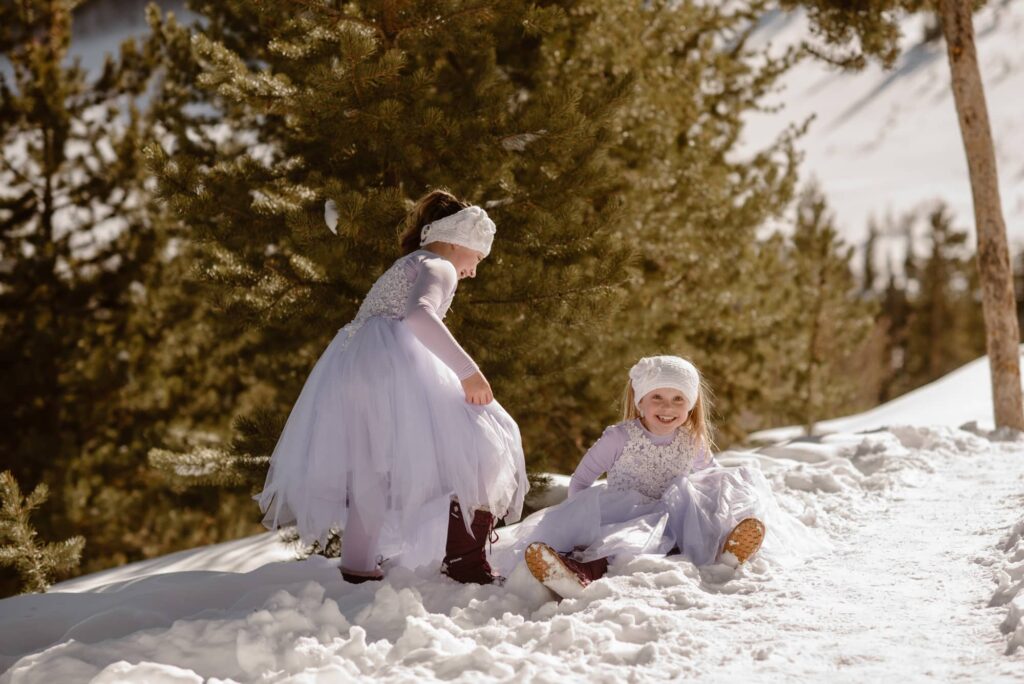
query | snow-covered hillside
(962,398)
(886,141)
(923,582)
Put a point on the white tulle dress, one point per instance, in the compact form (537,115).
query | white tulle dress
(381,436)
(662,493)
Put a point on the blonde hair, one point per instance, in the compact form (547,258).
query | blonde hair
(698,422)
(431,207)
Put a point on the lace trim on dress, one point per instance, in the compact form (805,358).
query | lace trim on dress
(649,468)
(388,297)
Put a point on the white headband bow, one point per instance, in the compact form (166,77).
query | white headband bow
(652,372)
(469,227)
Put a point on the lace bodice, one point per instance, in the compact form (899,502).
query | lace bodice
(650,468)
(389,296)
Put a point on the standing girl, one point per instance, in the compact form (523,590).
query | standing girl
(665,492)
(396,438)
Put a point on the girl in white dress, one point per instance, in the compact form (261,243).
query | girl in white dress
(665,492)
(396,438)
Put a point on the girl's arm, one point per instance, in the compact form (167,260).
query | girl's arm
(703,460)
(435,282)
(598,459)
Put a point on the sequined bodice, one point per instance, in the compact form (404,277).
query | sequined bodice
(650,468)
(389,295)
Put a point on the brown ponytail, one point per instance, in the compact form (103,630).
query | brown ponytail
(435,205)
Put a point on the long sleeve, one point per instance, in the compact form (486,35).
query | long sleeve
(598,459)
(703,460)
(435,282)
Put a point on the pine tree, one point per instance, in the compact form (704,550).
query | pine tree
(969,335)
(828,320)
(69,178)
(94,329)
(932,307)
(853,32)
(872,363)
(702,284)
(944,322)
(870,274)
(1018,284)
(35,563)
(72,229)
(895,314)
(370,105)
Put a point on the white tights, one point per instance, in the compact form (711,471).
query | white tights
(359,545)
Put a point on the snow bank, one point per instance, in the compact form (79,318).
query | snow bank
(297,621)
(959,399)
(1010,589)
(240,555)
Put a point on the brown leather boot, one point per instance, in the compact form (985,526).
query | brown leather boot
(465,559)
(353,578)
(560,573)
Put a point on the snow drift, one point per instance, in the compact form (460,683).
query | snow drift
(652,617)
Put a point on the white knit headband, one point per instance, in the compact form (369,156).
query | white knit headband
(470,227)
(652,372)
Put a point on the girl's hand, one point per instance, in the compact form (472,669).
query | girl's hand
(477,389)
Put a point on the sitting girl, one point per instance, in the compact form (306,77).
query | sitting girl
(665,494)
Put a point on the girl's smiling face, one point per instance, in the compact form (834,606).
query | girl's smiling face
(663,409)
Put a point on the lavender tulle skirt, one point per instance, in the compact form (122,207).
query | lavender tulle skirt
(382,425)
(695,515)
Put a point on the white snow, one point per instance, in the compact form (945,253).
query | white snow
(1010,577)
(958,399)
(924,583)
(239,556)
(888,141)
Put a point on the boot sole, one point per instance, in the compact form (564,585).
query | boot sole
(546,565)
(745,539)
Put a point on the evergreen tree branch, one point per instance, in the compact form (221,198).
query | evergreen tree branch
(36,564)
(851,61)
(209,467)
(548,296)
(340,16)
(484,9)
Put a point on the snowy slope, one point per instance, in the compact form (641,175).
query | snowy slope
(958,399)
(924,583)
(886,141)
(239,556)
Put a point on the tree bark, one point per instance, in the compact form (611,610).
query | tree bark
(1001,333)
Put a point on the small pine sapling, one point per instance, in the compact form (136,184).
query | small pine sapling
(36,562)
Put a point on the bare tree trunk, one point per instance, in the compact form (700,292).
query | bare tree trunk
(1000,309)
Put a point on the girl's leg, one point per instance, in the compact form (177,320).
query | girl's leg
(561,573)
(360,541)
(708,508)
(359,544)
